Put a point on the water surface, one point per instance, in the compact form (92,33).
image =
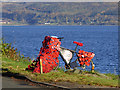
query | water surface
(102,40)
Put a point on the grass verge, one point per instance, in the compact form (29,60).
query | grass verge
(14,63)
(86,78)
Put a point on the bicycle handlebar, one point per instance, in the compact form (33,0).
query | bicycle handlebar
(78,43)
(60,37)
(57,37)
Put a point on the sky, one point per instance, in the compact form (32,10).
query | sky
(59,0)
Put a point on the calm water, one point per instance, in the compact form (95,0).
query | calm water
(102,40)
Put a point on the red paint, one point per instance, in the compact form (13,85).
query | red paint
(85,57)
(48,54)
(78,43)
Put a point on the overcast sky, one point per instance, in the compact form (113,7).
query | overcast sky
(59,0)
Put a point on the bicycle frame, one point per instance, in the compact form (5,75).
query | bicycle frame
(67,56)
(47,59)
(69,53)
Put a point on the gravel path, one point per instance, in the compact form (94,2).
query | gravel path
(8,82)
(11,82)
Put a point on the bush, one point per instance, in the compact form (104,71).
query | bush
(11,52)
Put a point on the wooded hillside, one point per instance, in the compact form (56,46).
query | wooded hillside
(61,13)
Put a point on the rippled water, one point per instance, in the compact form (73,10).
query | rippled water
(102,40)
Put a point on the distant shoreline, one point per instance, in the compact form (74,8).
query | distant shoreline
(56,25)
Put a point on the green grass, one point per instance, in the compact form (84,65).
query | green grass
(20,63)
(86,78)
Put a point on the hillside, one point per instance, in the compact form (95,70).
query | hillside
(61,13)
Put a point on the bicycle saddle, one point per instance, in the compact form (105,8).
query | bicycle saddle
(78,43)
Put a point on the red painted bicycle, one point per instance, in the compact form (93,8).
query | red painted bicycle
(84,58)
(47,59)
